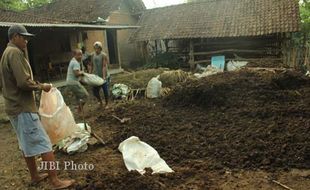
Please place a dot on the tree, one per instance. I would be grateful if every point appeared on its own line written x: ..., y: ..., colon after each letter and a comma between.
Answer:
x: 12, y: 4
x: 19, y: 5
x: 302, y: 38
x: 305, y: 15
x: 36, y: 3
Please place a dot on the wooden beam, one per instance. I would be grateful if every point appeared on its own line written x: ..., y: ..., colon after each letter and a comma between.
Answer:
x: 241, y: 59
x: 232, y: 50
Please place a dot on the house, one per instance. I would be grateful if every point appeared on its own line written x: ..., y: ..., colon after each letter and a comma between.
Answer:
x: 238, y: 29
x: 107, y: 12
x: 51, y: 50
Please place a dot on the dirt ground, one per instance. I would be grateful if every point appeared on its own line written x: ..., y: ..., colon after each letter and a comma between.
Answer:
x: 237, y: 130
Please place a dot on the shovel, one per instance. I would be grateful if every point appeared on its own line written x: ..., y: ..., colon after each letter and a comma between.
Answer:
x: 85, y: 126
x: 124, y: 120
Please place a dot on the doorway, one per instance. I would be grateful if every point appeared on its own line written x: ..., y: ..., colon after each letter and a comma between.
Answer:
x: 112, y: 46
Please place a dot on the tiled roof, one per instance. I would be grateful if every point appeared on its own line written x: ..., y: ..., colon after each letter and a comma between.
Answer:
x: 8, y: 18
x: 18, y: 17
x: 219, y: 18
x: 84, y: 11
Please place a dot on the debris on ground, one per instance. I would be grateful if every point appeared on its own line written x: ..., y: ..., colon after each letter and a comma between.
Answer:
x: 267, y: 63
x: 77, y: 142
x: 208, y: 72
x: 123, y: 120
x: 171, y: 78
x: 246, y: 126
x: 137, y: 79
x: 235, y: 65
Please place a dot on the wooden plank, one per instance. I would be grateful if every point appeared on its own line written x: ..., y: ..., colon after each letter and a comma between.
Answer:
x: 241, y: 59
x: 232, y: 50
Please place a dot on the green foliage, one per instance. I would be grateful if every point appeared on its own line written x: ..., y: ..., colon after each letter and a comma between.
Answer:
x: 12, y: 4
x: 18, y: 5
x: 305, y: 15
x: 301, y: 39
x: 36, y: 3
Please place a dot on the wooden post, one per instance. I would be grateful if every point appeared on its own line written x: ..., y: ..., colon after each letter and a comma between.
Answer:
x: 156, y: 54
x: 105, y: 43
x: 191, y: 55
x: 166, y: 45
x: 285, y: 50
x: 118, y: 50
x: 307, y: 57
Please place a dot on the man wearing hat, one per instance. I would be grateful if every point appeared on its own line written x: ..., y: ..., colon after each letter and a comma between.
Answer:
x: 17, y: 84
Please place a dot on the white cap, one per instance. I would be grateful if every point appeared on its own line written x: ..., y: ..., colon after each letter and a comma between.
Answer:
x: 98, y: 44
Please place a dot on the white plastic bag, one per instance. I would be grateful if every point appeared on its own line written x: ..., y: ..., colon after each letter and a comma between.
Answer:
x: 153, y: 88
x: 120, y: 90
x: 138, y: 155
x: 56, y: 116
x: 236, y: 65
x: 92, y: 80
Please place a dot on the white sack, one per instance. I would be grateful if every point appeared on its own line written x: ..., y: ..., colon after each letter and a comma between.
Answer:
x: 138, y: 155
x: 236, y: 65
x: 92, y: 80
x: 56, y: 116
x: 153, y: 88
x: 120, y: 90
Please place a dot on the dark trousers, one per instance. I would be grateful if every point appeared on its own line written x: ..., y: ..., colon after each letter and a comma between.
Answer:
x: 105, y: 88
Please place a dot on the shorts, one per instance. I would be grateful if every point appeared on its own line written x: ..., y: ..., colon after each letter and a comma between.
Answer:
x: 79, y: 91
x: 32, y: 137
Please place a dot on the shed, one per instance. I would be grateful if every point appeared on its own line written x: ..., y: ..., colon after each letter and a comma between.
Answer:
x: 238, y: 29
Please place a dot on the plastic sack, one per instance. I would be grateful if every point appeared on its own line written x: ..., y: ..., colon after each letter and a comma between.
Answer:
x: 56, y: 116
x: 77, y: 142
x: 92, y: 80
x: 236, y: 65
x: 120, y: 90
x: 153, y: 88
x: 208, y: 72
x: 138, y: 155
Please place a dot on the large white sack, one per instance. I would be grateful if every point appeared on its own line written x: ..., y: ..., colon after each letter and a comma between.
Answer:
x: 153, y: 88
x: 92, y: 80
x: 56, y: 116
x: 138, y: 155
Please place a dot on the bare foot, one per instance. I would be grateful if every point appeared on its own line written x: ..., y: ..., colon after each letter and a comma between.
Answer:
x: 62, y: 184
x: 38, y: 179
